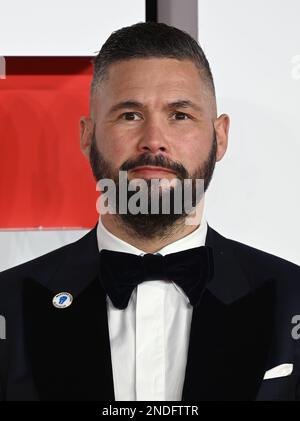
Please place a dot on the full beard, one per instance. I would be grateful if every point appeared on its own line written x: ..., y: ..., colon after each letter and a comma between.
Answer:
x: 151, y: 225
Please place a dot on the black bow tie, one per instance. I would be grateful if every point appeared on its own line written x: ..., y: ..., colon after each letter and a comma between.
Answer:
x: 120, y: 272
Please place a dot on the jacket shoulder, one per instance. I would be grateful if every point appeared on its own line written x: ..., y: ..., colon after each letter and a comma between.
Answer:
x: 249, y: 253
x: 259, y: 257
x: 261, y: 266
x: 257, y: 265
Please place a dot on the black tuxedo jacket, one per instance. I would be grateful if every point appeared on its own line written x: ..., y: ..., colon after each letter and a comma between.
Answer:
x: 241, y: 329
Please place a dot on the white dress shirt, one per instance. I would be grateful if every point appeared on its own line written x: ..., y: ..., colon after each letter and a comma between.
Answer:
x: 149, y: 339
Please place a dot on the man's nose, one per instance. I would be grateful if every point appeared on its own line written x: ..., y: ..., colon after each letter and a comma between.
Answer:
x: 153, y: 139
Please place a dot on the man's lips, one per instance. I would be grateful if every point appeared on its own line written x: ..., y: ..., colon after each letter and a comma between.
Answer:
x: 150, y: 169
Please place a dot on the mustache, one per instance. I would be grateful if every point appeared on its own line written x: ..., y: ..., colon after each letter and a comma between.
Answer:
x: 155, y: 161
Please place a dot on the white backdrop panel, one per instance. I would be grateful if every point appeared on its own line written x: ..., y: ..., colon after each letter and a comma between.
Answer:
x: 62, y: 28
x: 254, y: 51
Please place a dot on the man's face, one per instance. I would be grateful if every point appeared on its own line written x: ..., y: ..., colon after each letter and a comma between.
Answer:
x: 155, y: 118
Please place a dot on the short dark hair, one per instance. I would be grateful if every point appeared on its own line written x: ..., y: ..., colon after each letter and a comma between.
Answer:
x: 146, y: 40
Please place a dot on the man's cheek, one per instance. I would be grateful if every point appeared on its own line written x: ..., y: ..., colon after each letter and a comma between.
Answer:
x: 118, y: 152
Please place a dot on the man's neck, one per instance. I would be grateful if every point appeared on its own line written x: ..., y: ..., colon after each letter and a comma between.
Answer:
x: 113, y: 225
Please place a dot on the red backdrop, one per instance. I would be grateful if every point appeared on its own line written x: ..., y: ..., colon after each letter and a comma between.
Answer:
x: 45, y: 181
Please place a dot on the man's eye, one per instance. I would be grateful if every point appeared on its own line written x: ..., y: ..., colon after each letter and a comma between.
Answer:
x: 180, y: 116
x: 130, y: 116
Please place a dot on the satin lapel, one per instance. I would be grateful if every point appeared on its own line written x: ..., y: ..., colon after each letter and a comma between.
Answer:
x: 231, y: 332
x: 69, y: 348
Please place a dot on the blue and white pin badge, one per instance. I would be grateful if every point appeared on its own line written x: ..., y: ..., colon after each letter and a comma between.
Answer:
x: 62, y: 300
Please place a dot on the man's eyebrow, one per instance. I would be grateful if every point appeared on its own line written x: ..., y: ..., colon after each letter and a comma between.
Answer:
x: 184, y: 103
x: 131, y: 104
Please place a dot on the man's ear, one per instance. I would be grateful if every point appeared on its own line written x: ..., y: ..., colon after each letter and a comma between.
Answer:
x: 86, y: 135
x: 221, y: 125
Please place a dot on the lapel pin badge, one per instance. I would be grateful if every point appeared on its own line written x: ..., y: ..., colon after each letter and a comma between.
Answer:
x: 62, y: 300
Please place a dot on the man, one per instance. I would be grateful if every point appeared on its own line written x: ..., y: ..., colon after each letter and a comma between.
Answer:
x: 147, y: 306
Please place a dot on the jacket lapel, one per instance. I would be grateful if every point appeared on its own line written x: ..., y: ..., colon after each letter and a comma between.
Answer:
x: 69, y: 348
x: 231, y: 332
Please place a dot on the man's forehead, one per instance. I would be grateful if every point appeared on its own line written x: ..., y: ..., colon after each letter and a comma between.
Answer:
x: 177, y: 103
x: 160, y: 81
